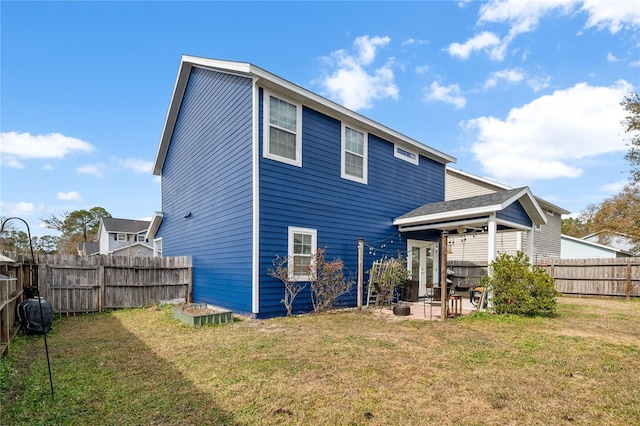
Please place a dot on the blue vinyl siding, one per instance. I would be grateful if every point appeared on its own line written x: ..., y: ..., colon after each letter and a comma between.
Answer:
x: 315, y: 196
x: 515, y: 213
x: 208, y: 172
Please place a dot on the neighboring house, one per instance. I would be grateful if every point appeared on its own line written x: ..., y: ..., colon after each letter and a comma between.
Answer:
x: 255, y: 167
x: 472, y: 246
x: 576, y: 248
x: 88, y: 248
x: 124, y: 237
x: 616, y: 240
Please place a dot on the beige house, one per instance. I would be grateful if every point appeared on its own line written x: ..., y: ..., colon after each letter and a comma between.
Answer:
x: 472, y: 245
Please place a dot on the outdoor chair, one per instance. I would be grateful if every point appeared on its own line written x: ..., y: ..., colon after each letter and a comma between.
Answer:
x: 429, y: 299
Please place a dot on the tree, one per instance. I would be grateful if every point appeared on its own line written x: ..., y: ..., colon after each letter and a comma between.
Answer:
x: 77, y: 226
x: 582, y: 225
x: 631, y: 123
x: 620, y: 214
x: 46, y: 244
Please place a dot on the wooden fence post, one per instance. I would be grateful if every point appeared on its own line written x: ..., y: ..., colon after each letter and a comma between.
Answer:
x: 628, y: 280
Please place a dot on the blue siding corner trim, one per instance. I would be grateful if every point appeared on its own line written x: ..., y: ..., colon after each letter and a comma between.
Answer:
x: 208, y: 171
x: 315, y: 196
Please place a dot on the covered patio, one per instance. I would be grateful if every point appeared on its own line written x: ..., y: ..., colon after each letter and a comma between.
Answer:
x: 504, y: 211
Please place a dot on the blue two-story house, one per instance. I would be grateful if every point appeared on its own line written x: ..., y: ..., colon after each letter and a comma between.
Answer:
x: 254, y: 167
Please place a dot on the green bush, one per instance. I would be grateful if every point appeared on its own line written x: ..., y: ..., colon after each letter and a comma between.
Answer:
x: 519, y: 288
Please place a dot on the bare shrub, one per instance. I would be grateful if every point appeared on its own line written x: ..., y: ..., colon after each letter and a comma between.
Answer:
x: 327, y: 281
x: 292, y: 287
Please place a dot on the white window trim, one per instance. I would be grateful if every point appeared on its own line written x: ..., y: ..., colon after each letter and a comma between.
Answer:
x: 314, y: 249
x: 265, y: 131
x: 141, y: 237
x: 121, y: 234
x: 365, y: 151
x: 415, y: 160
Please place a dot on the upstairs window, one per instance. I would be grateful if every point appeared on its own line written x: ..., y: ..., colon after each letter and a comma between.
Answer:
x: 406, y: 155
x: 302, y: 248
x: 282, y: 135
x: 121, y: 237
x: 141, y: 237
x: 354, y: 154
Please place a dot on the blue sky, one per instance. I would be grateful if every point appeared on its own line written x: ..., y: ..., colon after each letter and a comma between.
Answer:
x: 525, y: 93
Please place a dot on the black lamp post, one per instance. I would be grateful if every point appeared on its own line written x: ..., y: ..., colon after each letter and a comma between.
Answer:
x: 34, y: 278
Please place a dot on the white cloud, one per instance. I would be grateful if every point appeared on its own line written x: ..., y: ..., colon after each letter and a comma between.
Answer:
x: 481, y: 41
x: 25, y: 146
x: 611, y: 58
x: 69, y: 196
x: 538, y: 83
x: 613, y: 15
x: 513, y: 75
x: 449, y: 94
x: 634, y: 64
x: 48, y: 167
x: 19, y: 209
x: 97, y: 169
x: 546, y: 138
x: 614, y: 187
x: 412, y: 41
x: 136, y: 165
x: 524, y: 16
x: 422, y: 69
x: 354, y: 86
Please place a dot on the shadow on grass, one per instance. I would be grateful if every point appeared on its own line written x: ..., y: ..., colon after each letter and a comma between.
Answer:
x: 102, y: 374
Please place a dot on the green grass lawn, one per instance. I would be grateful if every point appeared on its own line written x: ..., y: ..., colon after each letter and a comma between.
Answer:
x: 141, y: 367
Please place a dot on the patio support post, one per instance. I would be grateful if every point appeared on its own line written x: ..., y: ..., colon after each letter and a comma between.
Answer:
x: 443, y: 277
x: 492, y: 229
x: 530, y: 245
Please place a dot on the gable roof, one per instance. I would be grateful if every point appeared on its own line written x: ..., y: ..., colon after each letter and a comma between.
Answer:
x: 128, y: 226
x: 270, y: 81
x: 471, y: 208
x: 500, y: 186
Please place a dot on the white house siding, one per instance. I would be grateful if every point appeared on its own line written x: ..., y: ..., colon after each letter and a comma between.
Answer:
x: 459, y: 186
x: 473, y: 247
x: 546, y: 241
x: 104, y: 241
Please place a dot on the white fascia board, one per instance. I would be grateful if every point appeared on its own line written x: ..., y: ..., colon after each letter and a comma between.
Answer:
x: 318, y: 102
x: 172, y: 115
x: 479, y: 179
x: 594, y: 244
x: 156, y: 220
x: 299, y: 93
x: 450, y: 215
x: 446, y: 226
x: 543, y: 203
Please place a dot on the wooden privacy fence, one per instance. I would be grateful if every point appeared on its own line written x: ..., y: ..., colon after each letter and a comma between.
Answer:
x: 82, y: 284
x: 79, y: 284
x: 596, y: 277
x: 580, y: 277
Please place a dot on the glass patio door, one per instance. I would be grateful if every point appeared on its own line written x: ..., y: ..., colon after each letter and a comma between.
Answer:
x: 422, y: 262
